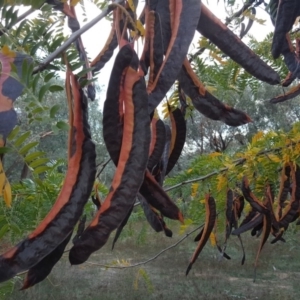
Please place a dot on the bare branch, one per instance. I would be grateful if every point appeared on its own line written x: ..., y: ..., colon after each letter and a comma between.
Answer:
x: 74, y: 36
x: 239, y: 12
x: 150, y: 259
x: 140, y: 263
x: 19, y: 19
x: 45, y: 134
x: 103, y: 167
x: 235, y: 162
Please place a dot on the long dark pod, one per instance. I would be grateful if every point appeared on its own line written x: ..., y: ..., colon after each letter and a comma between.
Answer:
x: 178, y: 135
x: 206, y: 103
x: 238, y: 206
x: 41, y: 270
x: 62, y: 218
x: 251, y: 198
x: 153, y: 53
x: 284, y: 189
x: 229, y: 211
x: 130, y: 169
x: 160, y: 169
x: 267, y: 225
x: 219, y: 34
x: 113, y: 105
x: 211, y: 214
x: 269, y: 204
x: 153, y: 218
x: 287, y: 12
x: 106, y: 53
x: 255, y: 221
x: 158, y: 139
x: 121, y: 226
x: 159, y: 199
x: 113, y: 134
x: 293, y: 206
x: 291, y: 59
x: 281, y: 40
x: 292, y: 93
x: 74, y: 26
x: 113, y: 114
x: 183, y: 17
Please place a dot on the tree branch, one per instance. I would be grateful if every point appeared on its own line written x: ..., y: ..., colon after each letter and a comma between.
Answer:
x: 103, y: 167
x: 75, y: 36
x: 19, y: 19
x: 239, y: 12
x: 150, y: 259
x: 235, y: 162
x: 140, y: 263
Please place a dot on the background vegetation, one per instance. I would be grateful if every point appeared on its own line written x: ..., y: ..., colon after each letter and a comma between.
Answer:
x: 35, y: 164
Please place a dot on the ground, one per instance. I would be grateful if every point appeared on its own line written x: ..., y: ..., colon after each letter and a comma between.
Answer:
x: 278, y: 273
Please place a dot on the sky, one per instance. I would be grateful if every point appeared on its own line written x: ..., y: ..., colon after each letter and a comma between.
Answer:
x: 96, y: 37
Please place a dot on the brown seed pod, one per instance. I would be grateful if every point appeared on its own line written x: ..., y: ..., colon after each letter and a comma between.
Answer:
x: 60, y: 221
x: 121, y: 226
x: 284, y: 190
x: 153, y: 52
x: 158, y: 139
x: 205, y: 102
x: 154, y: 219
x: 292, y: 209
x: 292, y: 93
x: 267, y: 225
x: 251, y: 198
x: 41, y: 270
x: 106, y: 53
x: 287, y: 12
x: 211, y: 214
x: 255, y: 221
x: 178, y: 23
x: 130, y: 169
x: 178, y: 135
x: 159, y: 199
x: 219, y: 34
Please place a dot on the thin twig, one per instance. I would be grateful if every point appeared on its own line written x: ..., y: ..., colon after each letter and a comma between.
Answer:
x: 195, y: 179
x: 103, y: 167
x: 54, y: 285
x: 239, y: 12
x: 235, y: 162
x: 45, y: 134
x: 150, y: 259
x: 74, y: 36
x: 140, y: 263
x: 19, y: 19
x: 25, y: 15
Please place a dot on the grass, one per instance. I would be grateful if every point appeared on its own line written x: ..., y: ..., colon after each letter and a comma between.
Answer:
x: 278, y: 273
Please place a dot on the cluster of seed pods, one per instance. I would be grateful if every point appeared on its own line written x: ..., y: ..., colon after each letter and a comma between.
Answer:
x: 142, y: 147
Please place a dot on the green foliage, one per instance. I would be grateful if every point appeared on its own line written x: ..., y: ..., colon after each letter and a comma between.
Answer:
x: 261, y: 161
x: 33, y: 199
x: 6, y: 288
